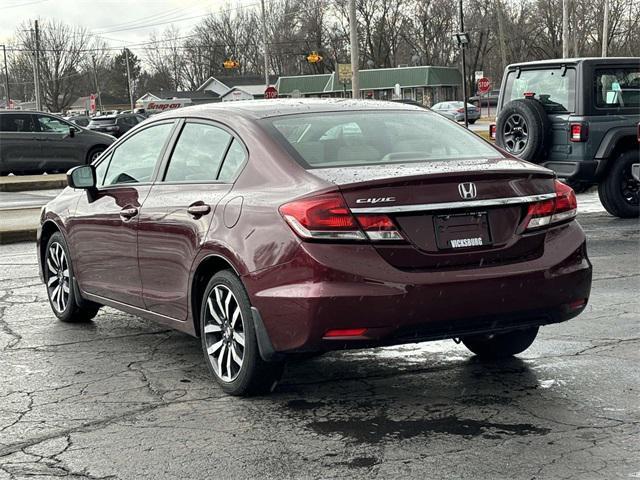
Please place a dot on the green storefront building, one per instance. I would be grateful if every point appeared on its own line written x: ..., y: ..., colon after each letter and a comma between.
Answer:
x: 426, y: 85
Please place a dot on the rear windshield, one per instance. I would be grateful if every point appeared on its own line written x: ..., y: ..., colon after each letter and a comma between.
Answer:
x: 554, y: 87
x: 103, y: 121
x: 336, y: 139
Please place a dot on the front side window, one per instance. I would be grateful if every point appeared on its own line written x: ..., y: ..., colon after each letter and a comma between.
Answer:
x: 52, y: 125
x: 375, y: 138
x: 618, y: 88
x: 553, y: 87
x: 198, y: 154
x: 135, y: 159
x: 17, y: 123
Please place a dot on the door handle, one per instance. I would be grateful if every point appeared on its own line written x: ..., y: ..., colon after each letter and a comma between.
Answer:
x: 198, y: 209
x: 128, y: 213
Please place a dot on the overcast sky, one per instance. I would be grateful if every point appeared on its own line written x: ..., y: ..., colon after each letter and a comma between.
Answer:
x: 119, y: 22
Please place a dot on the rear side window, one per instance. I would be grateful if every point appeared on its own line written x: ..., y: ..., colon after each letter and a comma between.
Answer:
x: 198, y: 154
x: 618, y: 88
x: 555, y: 88
x: 135, y: 159
x: 17, y: 123
x: 370, y: 137
x: 232, y: 162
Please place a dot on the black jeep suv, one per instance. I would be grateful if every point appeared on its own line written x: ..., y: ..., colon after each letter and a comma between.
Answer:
x: 579, y: 118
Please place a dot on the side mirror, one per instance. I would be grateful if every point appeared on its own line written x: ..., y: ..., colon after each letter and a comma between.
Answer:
x: 83, y: 177
x: 72, y: 132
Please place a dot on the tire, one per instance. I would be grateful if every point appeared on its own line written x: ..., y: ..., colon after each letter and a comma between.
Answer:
x: 523, y: 130
x: 619, y: 191
x: 501, y: 345
x: 60, y: 292
x: 94, y: 153
x: 471, y: 122
x: 238, y: 369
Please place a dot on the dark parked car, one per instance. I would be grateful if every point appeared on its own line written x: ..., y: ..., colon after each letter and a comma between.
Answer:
x: 577, y: 117
x: 481, y: 100
x: 277, y: 228
x: 81, y: 120
x: 36, y: 142
x: 115, y: 124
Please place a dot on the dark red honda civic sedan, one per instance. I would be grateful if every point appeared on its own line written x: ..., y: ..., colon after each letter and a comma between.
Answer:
x: 272, y: 229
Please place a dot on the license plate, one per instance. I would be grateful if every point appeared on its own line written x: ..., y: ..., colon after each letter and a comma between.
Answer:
x: 467, y: 230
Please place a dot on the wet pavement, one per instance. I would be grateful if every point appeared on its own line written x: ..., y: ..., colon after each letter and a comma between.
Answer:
x: 122, y: 398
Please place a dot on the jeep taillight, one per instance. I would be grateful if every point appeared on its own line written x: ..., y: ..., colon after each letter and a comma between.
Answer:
x: 578, y: 132
x: 554, y: 210
x: 492, y: 131
x: 638, y: 133
x: 327, y: 217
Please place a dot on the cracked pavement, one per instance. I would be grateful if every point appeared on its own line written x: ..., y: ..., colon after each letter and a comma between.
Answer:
x: 123, y: 398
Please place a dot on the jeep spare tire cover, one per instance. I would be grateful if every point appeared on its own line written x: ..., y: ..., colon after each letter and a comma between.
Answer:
x: 522, y: 129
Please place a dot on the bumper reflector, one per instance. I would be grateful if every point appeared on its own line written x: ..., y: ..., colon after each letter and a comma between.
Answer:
x: 577, y: 304
x: 345, y: 332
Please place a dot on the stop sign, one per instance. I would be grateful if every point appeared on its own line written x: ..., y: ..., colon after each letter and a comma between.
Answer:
x: 270, y: 92
x: 484, y: 85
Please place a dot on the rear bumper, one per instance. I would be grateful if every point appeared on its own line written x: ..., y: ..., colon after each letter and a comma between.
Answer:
x: 351, y: 286
x: 580, y: 171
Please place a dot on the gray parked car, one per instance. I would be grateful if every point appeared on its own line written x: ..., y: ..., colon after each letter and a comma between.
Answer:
x: 36, y: 142
x: 455, y: 111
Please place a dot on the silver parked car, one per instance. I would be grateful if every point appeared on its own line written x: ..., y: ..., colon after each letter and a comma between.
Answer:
x: 455, y: 111
x: 37, y: 142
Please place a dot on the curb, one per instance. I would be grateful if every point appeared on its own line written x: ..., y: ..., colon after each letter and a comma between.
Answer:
x: 23, y: 183
x: 16, y: 236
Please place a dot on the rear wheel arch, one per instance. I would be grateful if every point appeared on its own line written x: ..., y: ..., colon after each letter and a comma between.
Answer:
x: 95, y: 148
x: 206, y: 269
x: 621, y: 146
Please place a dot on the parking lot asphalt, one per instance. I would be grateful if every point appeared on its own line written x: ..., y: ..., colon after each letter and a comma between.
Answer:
x: 123, y: 398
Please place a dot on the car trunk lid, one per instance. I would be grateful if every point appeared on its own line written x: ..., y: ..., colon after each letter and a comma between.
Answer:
x: 451, y: 214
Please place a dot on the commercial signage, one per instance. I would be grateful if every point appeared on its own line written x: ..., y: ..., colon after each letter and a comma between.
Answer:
x: 154, y: 106
x: 92, y: 103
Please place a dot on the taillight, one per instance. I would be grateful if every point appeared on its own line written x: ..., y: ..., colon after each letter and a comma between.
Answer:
x: 561, y: 208
x: 638, y: 133
x: 578, y: 132
x: 460, y: 110
x: 379, y: 227
x: 327, y: 217
x: 492, y: 131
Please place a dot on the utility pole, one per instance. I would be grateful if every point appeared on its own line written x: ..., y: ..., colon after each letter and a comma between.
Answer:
x: 353, y: 39
x: 265, y: 46
x: 464, y: 68
x: 565, y: 28
x: 6, y: 76
x: 503, y: 47
x: 36, y: 79
x: 126, y: 56
x: 95, y: 79
x: 605, y: 29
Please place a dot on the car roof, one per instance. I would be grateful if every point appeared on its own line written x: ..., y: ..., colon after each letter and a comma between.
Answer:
x: 256, y: 109
x: 575, y: 61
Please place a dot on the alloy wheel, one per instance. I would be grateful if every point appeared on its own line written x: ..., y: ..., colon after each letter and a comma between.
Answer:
x: 58, y: 281
x: 224, y: 333
x: 515, y: 133
x: 94, y: 156
x: 630, y: 188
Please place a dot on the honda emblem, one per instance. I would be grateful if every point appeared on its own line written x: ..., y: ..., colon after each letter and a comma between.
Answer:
x: 467, y: 190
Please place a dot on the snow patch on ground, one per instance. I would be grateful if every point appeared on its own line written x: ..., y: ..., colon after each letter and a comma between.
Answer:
x: 589, y: 202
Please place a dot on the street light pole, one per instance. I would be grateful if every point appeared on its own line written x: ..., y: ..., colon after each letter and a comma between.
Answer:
x: 565, y: 28
x: 464, y: 69
x: 353, y: 39
x: 6, y: 76
x: 265, y: 47
x: 126, y: 56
